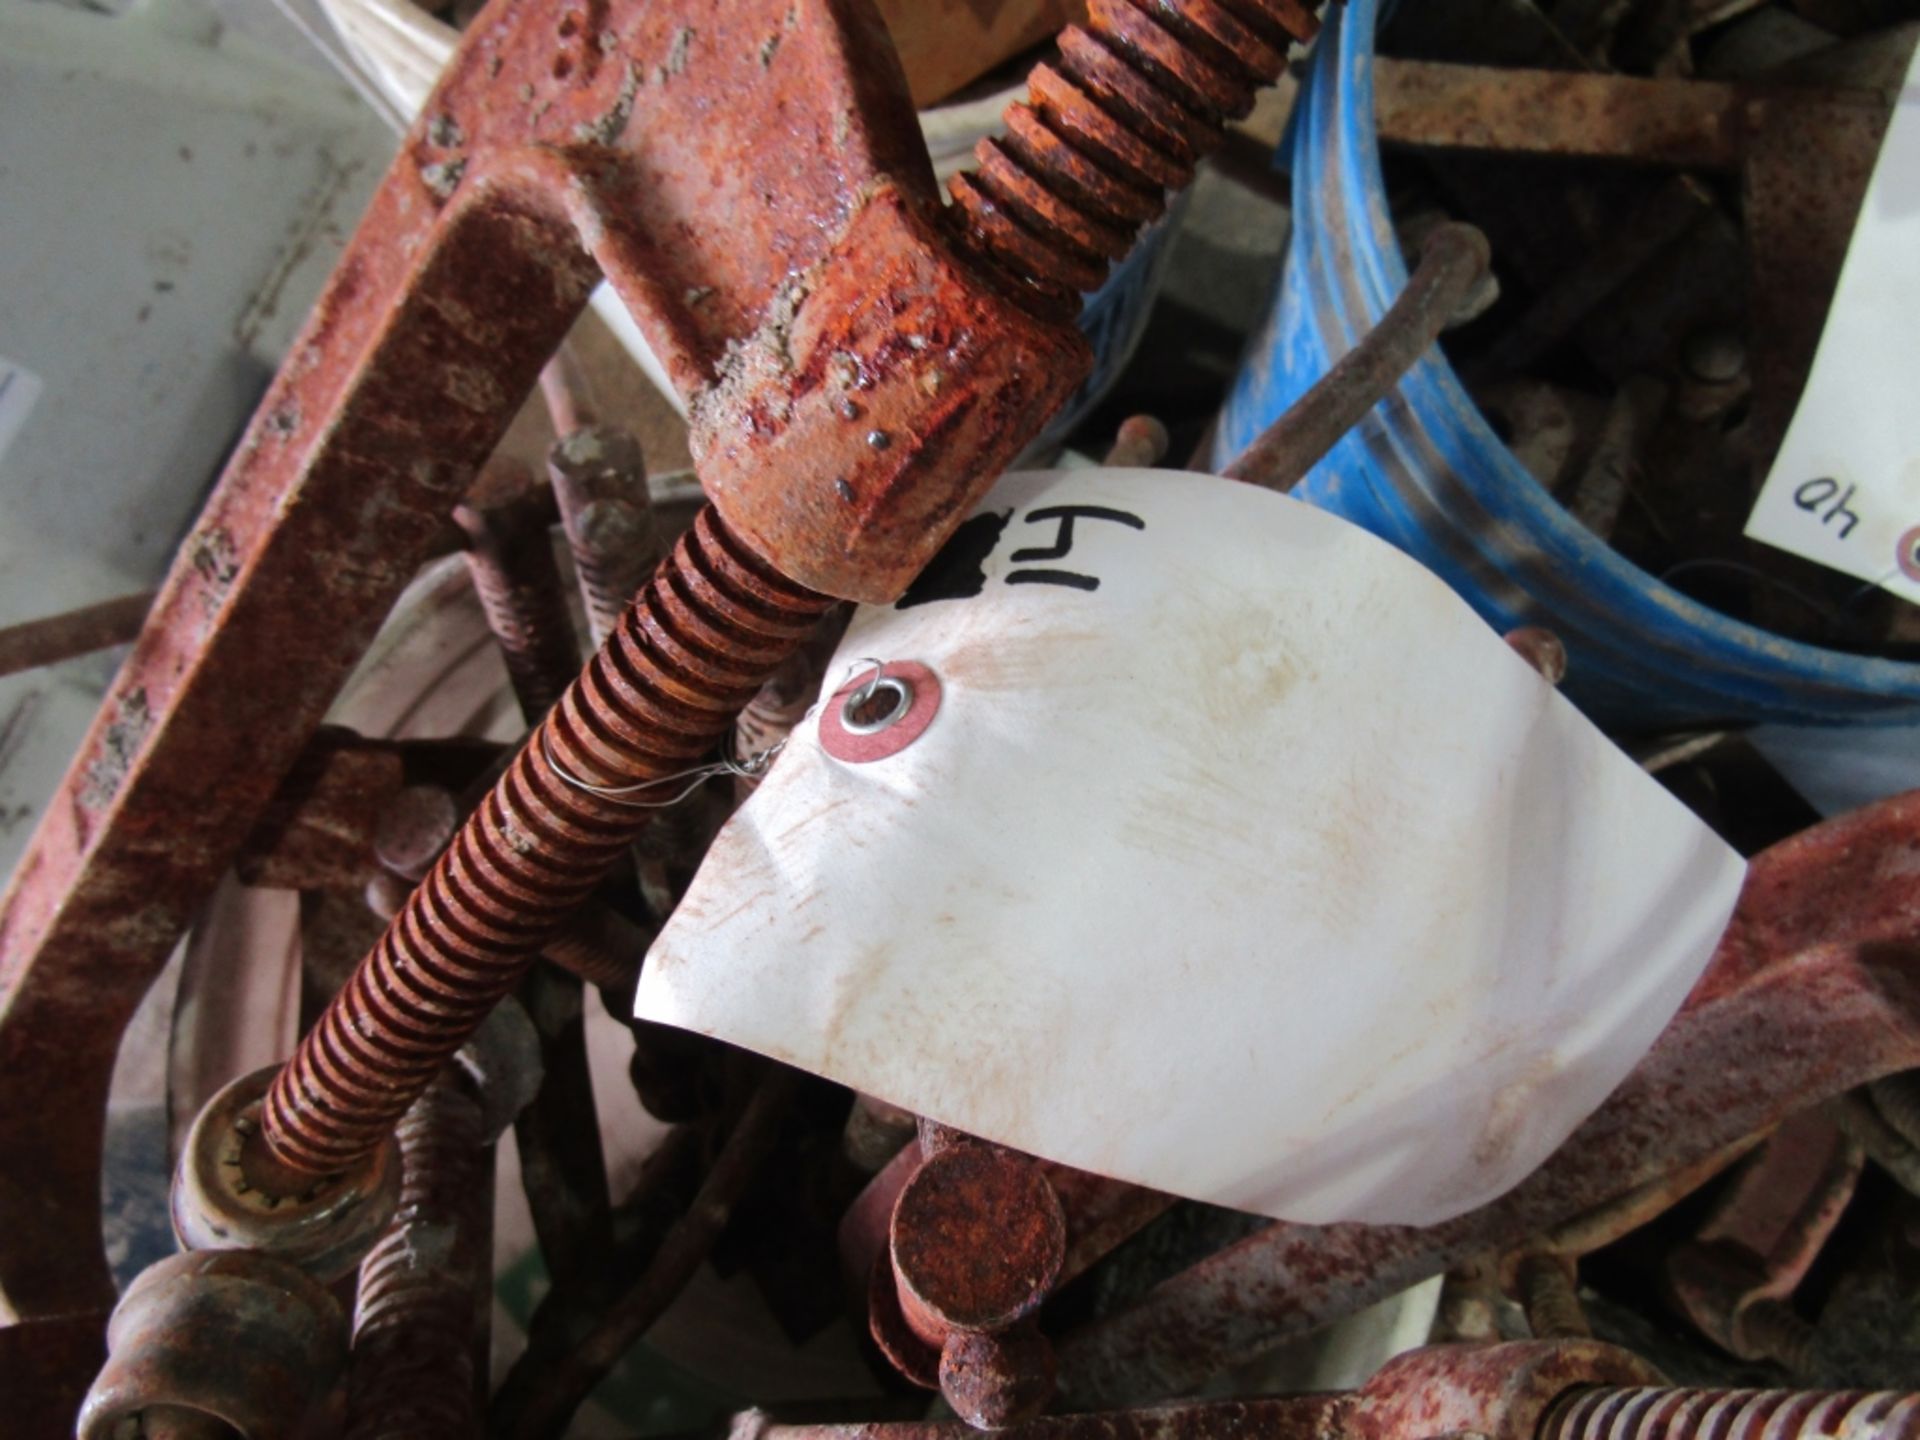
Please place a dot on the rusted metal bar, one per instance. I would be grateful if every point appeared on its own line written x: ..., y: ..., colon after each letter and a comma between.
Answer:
x: 1501, y: 1392
x: 551, y: 1402
x: 1682, y: 124
x: 1546, y: 1392
x: 1452, y: 260
x: 1819, y: 970
x: 35, y: 643
x: 563, y: 1166
x: 1803, y: 182
x: 1687, y: 124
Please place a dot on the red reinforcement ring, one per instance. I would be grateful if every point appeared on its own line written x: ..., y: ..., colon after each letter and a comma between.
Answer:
x: 914, y: 691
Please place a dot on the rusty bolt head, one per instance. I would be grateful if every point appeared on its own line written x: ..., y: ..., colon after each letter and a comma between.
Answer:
x: 996, y: 1380
x: 940, y: 420
x: 414, y: 828
x: 220, y: 1200
x: 978, y: 1239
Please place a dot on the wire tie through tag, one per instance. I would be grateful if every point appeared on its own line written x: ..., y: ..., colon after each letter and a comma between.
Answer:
x: 751, y: 768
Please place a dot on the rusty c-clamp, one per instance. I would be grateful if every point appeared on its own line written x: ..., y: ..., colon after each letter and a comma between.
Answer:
x: 859, y: 363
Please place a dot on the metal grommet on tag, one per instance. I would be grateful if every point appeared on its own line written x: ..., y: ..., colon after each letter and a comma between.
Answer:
x: 880, y: 712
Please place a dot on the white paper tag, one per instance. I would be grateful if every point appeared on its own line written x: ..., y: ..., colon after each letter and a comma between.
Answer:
x: 1225, y: 851
x: 1845, y: 488
x: 19, y: 389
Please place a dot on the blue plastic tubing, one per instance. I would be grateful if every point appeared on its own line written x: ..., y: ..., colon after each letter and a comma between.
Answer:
x: 1426, y: 472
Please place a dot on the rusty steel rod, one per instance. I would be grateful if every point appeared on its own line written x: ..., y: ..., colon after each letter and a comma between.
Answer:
x: 1452, y: 261
x: 48, y: 641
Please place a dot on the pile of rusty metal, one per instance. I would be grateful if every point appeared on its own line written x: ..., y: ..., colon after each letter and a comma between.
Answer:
x: 862, y: 360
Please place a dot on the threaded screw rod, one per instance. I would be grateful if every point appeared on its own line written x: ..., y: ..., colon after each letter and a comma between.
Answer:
x: 707, y: 630
x: 1657, y: 1413
x: 510, y: 558
x: 1138, y: 96
x: 412, y: 1374
x: 600, y: 479
x: 1552, y: 1302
